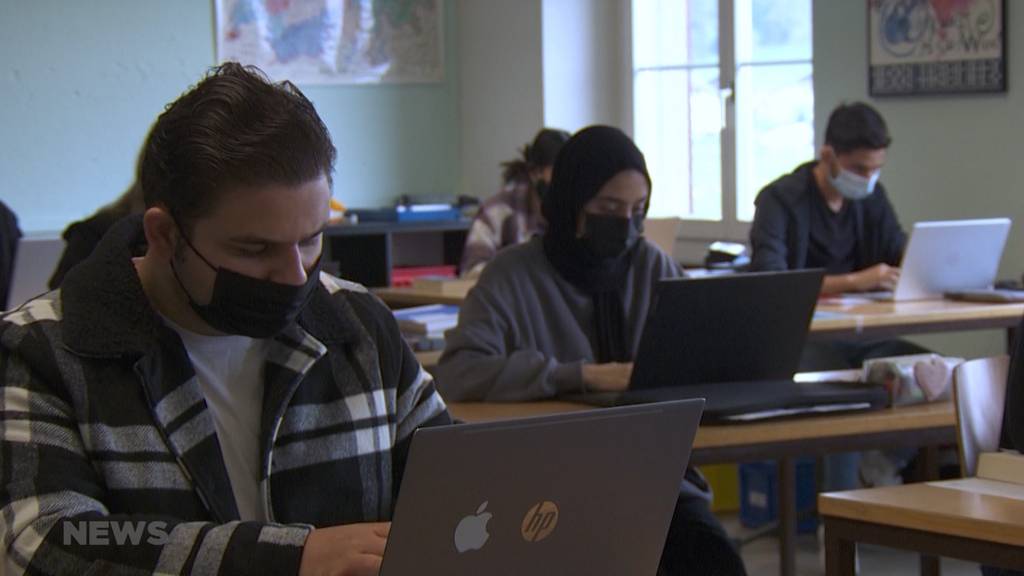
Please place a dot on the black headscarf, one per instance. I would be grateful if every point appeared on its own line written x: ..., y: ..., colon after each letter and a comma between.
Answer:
x: 591, y: 158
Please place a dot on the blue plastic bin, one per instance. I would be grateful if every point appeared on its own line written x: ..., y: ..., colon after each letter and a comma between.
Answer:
x: 759, y: 503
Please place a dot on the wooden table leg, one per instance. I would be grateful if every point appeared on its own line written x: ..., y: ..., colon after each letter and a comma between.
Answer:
x: 840, y: 553
x: 787, y: 516
x: 930, y: 566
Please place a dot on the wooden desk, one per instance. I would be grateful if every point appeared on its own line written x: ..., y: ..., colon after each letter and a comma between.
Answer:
x: 405, y: 297
x: 925, y: 424
x: 784, y: 440
x: 847, y: 319
x: 953, y: 519
x: 886, y: 319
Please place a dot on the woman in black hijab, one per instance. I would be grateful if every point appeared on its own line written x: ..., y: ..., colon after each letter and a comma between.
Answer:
x: 591, y: 237
x: 563, y: 313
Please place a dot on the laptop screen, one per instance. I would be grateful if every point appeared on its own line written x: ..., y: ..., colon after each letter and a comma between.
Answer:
x: 726, y: 328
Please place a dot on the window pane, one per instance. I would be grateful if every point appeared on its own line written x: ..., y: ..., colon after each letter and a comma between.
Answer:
x: 773, y: 30
x: 677, y: 119
x: 674, y: 32
x: 774, y: 127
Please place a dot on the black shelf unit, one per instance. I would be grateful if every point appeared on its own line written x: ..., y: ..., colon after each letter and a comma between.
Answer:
x: 367, y: 252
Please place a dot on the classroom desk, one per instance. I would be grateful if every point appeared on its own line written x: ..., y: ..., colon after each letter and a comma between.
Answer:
x: 915, y: 426
x: 850, y: 318
x: 853, y: 318
x: 406, y: 296
x: 974, y: 520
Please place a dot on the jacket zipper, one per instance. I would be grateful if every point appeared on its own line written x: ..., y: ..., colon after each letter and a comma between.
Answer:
x: 170, y: 445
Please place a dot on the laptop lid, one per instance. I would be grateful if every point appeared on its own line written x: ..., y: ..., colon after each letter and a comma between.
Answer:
x: 584, y: 493
x: 34, y: 263
x: 729, y: 328
x: 947, y: 256
x: 662, y: 233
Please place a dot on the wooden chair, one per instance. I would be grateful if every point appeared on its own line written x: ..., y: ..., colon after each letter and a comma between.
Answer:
x: 979, y: 392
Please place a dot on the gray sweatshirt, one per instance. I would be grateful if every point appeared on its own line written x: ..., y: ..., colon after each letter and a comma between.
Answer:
x: 524, y: 332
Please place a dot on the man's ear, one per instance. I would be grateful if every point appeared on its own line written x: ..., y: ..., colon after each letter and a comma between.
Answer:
x: 161, y: 232
x: 830, y: 160
x: 827, y: 154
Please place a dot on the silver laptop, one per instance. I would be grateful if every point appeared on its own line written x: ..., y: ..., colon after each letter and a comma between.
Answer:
x: 949, y: 256
x: 34, y: 263
x: 590, y: 492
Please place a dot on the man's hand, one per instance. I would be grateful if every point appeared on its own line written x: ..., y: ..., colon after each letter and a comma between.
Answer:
x: 877, y: 277
x: 610, y: 377
x: 349, y: 550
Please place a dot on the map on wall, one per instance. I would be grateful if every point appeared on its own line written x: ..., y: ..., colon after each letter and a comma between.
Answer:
x: 334, y: 41
x: 936, y: 46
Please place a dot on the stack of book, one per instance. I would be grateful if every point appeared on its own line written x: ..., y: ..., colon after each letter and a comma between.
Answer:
x: 423, y: 327
x: 405, y: 276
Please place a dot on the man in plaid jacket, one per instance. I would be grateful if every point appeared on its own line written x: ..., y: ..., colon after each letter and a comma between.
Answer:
x: 198, y: 397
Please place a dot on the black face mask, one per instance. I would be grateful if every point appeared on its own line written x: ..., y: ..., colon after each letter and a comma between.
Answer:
x: 610, y: 236
x: 249, y: 306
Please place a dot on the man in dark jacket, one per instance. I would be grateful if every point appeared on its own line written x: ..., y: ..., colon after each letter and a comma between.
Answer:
x: 218, y: 405
x: 834, y: 213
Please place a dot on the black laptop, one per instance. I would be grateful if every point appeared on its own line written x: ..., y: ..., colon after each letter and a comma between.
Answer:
x: 735, y: 340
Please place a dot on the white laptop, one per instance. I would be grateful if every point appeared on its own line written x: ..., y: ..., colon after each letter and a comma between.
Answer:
x: 34, y: 263
x: 590, y: 492
x: 662, y: 233
x: 949, y: 256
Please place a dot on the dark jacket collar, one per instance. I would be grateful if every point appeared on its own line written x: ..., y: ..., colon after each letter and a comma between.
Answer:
x: 107, y: 314
x: 803, y: 186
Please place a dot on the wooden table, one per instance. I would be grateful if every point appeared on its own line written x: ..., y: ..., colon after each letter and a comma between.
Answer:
x: 854, y: 318
x: 975, y: 520
x: 925, y: 424
x: 846, y: 318
x: 784, y: 440
x: 405, y: 297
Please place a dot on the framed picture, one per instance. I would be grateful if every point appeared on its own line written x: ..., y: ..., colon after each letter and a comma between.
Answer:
x: 334, y: 41
x: 936, y: 47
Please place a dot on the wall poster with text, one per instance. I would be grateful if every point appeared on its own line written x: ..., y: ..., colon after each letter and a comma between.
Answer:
x: 936, y: 47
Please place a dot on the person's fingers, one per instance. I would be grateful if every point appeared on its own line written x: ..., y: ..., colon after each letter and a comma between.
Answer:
x: 365, y: 565
x: 382, y: 529
x: 373, y: 545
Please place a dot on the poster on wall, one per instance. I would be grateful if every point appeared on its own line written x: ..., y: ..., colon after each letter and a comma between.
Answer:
x: 936, y: 47
x: 334, y: 41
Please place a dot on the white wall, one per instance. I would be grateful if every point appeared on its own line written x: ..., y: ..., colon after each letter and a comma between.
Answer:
x: 525, y: 64
x: 500, y: 99
x: 952, y: 156
x: 587, y: 64
x: 81, y: 82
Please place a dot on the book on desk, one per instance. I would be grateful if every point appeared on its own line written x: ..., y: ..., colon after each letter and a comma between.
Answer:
x: 423, y: 327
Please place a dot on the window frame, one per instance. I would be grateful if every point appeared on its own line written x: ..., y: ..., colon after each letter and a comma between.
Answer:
x: 730, y: 227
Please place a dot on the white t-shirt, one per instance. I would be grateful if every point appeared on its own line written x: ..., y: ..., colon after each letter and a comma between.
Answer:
x: 230, y: 374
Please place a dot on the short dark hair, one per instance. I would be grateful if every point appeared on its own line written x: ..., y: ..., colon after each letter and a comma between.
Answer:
x: 854, y: 127
x: 538, y: 154
x: 234, y: 128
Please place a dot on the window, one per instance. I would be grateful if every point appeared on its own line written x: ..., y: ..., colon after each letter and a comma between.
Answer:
x: 723, y: 103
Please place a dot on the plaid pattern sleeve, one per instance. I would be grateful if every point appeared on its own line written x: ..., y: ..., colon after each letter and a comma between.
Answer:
x: 416, y: 400
x: 503, y: 220
x: 62, y: 481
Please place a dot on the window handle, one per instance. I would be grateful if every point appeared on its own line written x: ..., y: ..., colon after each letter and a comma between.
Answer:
x: 726, y: 94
